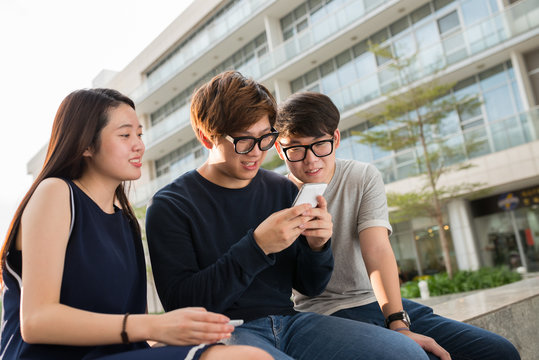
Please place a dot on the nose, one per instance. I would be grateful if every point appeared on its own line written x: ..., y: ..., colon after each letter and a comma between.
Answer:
x: 255, y: 151
x: 310, y: 156
x: 138, y: 145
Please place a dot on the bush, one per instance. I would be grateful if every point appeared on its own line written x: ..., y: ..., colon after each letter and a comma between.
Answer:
x: 440, y: 284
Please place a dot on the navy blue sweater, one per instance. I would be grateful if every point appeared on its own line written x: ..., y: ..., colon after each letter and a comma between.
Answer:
x: 203, y: 253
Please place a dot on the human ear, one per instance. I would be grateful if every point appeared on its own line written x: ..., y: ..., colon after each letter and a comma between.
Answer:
x: 89, y: 152
x: 336, y: 138
x: 204, y: 139
x: 279, y: 150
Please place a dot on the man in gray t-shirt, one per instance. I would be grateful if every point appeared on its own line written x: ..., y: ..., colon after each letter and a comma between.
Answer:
x: 365, y: 285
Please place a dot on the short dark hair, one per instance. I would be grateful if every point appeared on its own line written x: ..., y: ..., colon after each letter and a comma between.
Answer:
x: 230, y: 103
x: 307, y: 114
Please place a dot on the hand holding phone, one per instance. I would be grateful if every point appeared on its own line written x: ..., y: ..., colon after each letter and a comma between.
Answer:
x: 308, y: 192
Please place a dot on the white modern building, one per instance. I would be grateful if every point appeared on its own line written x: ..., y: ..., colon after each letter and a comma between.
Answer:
x: 490, y: 47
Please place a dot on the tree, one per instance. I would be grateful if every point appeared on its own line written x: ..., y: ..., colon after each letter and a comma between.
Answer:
x: 415, y: 115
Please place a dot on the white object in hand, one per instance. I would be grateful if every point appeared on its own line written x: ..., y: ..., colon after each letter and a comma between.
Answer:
x: 235, y: 322
x: 308, y: 193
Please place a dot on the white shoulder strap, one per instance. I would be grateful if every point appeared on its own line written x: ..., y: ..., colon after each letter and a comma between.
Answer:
x: 72, y: 202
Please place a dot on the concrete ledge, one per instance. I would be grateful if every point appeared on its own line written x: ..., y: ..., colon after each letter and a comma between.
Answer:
x: 510, y: 311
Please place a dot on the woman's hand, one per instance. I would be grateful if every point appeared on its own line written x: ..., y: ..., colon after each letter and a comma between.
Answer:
x: 189, y: 326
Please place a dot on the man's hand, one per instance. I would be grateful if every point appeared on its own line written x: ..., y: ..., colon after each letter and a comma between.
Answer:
x: 282, y: 228
x: 319, y: 230
x: 428, y: 344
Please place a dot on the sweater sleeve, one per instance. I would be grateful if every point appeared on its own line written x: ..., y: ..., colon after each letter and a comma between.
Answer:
x: 179, y: 278
x: 313, y: 268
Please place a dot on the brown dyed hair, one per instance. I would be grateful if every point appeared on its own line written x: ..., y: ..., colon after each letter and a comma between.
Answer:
x: 307, y: 114
x: 77, y: 126
x: 230, y: 103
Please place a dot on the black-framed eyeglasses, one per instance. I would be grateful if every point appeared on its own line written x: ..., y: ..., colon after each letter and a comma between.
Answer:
x: 299, y: 152
x: 244, y: 144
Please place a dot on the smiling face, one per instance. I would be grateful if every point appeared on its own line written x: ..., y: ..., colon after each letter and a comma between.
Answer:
x: 229, y: 169
x: 120, y: 147
x: 312, y: 169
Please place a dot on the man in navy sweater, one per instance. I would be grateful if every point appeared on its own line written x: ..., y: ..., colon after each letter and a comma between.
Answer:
x: 225, y: 237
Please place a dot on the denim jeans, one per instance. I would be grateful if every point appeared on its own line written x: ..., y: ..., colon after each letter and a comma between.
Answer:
x: 461, y: 340
x: 311, y: 336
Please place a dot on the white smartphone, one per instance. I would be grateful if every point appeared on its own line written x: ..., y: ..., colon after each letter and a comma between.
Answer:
x: 235, y: 322
x: 308, y: 192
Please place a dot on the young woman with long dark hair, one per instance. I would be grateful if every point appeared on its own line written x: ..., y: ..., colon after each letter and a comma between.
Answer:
x: 74, y: 246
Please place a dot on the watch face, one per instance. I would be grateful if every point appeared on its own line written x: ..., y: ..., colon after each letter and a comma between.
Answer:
x: 406, y: 318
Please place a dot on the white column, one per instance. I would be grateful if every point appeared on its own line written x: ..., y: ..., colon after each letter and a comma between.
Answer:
x: 522, y: 79
x: 460, y: 222
x: 282, y: 90
x: 273, y: 32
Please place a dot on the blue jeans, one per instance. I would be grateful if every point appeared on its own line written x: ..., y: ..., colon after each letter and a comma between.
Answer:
x: 461, y: 340
x: 312, y: 336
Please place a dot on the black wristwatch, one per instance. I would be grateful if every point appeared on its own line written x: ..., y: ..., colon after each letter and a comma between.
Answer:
x: 401, y: 315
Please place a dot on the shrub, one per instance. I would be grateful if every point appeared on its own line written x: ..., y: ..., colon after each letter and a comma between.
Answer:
x: 440, y: 284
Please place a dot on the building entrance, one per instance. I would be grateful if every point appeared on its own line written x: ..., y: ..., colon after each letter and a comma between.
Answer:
x: 498, y: 240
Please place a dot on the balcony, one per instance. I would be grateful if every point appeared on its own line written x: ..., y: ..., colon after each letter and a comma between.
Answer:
x: 490, y: 32
x: 195, y: 48
x: 501, y: 27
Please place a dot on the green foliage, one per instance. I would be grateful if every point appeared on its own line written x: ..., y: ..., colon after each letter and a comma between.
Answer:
x: 441, y: 284
x: 410, y: 290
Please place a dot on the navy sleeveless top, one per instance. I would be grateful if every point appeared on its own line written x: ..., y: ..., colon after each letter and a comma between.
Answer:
x: 104, y: 272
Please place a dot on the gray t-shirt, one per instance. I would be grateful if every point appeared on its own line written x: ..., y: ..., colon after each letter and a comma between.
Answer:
x: 356, y: 201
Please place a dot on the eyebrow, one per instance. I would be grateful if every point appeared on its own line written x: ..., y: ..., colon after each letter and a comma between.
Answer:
x: 297, y: 142
x: 127, y: 126
x: 246, y: 133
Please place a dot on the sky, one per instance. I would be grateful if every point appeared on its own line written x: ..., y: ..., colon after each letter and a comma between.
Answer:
x: 47, y: 50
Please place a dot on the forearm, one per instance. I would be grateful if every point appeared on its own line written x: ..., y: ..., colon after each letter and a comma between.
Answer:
x: 313, y: 269
x: 382, y: 268
x: 64, y: 325
x: 384, y: 278
x: 182, y: 282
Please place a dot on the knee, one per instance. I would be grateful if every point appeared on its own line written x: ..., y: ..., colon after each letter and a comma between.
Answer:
x: 506, y: 350
x: 252, y: 353
x: 235, y: 352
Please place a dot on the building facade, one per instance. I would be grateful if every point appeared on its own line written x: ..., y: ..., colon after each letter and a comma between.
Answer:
x: 488, y: 47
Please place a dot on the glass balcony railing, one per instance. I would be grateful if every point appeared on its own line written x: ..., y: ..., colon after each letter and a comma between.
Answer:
x: 192, y: 50
x: 321, y: 29
x: 491, y: 137
x: 173, y: 122
x: 512, y: 22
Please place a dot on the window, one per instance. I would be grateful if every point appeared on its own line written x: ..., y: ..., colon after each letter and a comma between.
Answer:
x: 448, y: 22
x: 420, y: 13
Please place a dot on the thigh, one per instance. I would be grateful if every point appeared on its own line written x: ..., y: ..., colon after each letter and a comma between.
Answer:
x: 259, y: 333
x: 317, y: 337
x: 161, y: 353
x: 370, y: 313
x: 463, y: 341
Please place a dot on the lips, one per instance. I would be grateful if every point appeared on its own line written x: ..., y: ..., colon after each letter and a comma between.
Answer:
x: 249, y: 165
x: 313, y: 171
x: 136, y: 162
